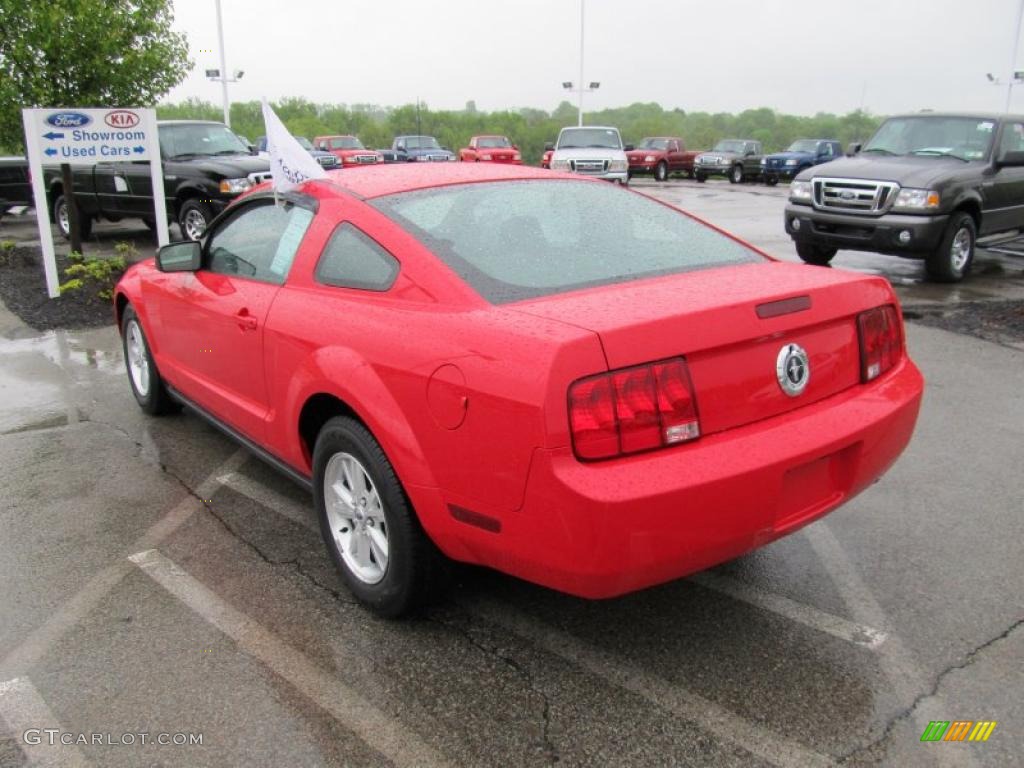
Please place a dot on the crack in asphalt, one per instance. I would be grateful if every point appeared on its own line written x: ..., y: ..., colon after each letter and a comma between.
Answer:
x: 549, y: 747
x: 908, y: 711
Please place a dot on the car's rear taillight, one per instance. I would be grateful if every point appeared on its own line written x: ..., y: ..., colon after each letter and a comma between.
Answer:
x: 881, y: 341
x: 632, y: 410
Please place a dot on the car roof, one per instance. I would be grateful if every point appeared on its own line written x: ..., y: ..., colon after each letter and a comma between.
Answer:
x: 381, y: 180
x: 590, y: 127
x: 972, y: 115
x: 188, y: 122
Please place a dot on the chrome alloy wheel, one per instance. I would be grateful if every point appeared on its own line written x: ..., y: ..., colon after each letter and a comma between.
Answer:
x: 356, y: 517
x: 64, y: 218
x: 960, y: 250
x: 194, y: 224
x: 138, y: 362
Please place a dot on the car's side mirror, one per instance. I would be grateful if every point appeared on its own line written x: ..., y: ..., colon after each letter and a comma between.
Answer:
x: 179, y: 257
x: 1010, y: 160
x: 854, y: 149
x: 549, y: 147
x: 628, y: 148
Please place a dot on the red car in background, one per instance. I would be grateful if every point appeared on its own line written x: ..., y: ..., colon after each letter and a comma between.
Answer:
x: 491, y: 149
x: 545, y: 159
x: 349, y: 150
x: 658, y: 156
x: 596, y: 392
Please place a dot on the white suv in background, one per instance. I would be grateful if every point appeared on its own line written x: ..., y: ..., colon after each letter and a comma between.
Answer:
x: 592, y: 151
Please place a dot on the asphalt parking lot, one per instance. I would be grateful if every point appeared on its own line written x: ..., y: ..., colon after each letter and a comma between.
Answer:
x: 160, y: 580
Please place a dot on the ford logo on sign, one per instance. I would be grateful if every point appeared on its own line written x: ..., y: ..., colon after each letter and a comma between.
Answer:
x: 68, y: 120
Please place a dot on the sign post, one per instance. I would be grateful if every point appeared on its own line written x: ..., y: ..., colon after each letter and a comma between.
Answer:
x: 84, y: 137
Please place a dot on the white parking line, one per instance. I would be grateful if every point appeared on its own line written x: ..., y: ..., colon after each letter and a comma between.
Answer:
x: 860, y: 634
x: 377, y: 729
x: 40, y: 640
x: 896, y: 662
x: 28, y: 719
x: 261, y: 494
x: 620, y: 672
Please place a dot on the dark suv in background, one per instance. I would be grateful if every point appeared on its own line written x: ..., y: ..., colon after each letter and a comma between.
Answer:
x: 801, y: 154
x: 926, y: 186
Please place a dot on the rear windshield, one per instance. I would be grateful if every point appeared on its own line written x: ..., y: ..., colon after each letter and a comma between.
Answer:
x: 522, y: 239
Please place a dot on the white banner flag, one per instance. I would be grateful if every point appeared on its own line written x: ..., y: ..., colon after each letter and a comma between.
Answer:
x: 290, y: 164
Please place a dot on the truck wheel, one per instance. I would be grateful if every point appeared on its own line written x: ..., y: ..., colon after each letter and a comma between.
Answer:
x: 62, y: 216
x: 951, y: 261
x: 195, y: 216
x: 820, y: 255
x: 370, y: 529
x: 700, y: 177
x: 771, y: 181
x: 736, y: 174
x: 661, y: 172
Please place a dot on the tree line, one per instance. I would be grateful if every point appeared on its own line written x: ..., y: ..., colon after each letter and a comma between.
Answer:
x: 530, y: 129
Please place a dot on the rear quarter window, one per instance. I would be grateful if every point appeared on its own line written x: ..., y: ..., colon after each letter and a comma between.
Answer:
x: 351, y: 259
x: 517, y: 240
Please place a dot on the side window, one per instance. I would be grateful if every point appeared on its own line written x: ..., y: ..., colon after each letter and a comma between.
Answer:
x: 259, y: 242
x: 1013, y: 138
x: 352, y: 259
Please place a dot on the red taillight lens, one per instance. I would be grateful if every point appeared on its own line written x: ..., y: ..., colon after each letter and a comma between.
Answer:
x: 881, y: 341
x: 633, y: 409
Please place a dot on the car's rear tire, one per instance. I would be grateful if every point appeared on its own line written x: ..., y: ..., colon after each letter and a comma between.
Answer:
x: 143, y: 376
x: 194, y: 218
x: 736, y: 174
x: 369, y: 527
x: 819, y: 255
x: 771, y: 181
x: 952, y: 260
x: 62, y: 216
x: 701, y: 178
x: 661, y: 172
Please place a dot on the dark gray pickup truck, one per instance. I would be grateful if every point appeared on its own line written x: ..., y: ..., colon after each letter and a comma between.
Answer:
x: 926, y: 186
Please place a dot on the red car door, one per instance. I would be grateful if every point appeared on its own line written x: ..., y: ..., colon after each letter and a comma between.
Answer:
x: 212, y: 319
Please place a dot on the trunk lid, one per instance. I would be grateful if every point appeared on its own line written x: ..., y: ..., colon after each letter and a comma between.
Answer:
x: 731, y: 324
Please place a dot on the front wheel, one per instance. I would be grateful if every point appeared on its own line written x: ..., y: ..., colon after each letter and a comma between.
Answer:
x: 195, y: 216
x: 701, y: 178
x: 951, y: 261
x: 62, y: 215
x: 661, y: 172
x: 370, y: 529
x: 147, y: 385
x: 771, y: 181
x: 736, y: 174
x: 820, y: 255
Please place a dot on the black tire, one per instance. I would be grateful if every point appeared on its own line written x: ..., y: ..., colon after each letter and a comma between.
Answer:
x: 819, y: 255
x: 771, y: 181
x: 736, y: 174
x: 948, y: 263
x: 150, y: 224
x: 701, y: 178
x: 64, y: 221
x: 155, y: 400
x: 194, y: 218
x: 415, y: 570
x: 661, y: 172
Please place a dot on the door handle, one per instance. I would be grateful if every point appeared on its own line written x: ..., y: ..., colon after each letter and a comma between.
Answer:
x: 246, y: 321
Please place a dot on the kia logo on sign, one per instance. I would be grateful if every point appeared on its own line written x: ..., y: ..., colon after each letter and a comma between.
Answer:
x: 68, y: 120
x: 121, y: 118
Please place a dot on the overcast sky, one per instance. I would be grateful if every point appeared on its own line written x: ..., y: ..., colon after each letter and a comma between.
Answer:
x: 797, y: 56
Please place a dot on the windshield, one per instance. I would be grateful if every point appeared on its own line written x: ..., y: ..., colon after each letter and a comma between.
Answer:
x: 199, y: 139
x: 803, y: 145
x: 345, y: 142
x: 493, y: 142
x: 729, y: 146
x: 305, y: 143
x: 420, y: 142
x: 967, y: 138
x: 654, y: 144
x: 518, y: 240
x: 596, y: 138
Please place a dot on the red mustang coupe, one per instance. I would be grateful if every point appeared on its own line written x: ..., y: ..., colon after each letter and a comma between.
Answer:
x: 544, y: 374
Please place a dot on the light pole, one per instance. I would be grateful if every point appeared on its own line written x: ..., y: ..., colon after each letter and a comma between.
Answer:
x: 1013, y: 63
x: 222, y: 73
x: 568, y: 85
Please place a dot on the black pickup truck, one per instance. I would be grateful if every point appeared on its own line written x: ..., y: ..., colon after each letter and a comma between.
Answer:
x: 206, y: 166
x: 15, y: 187
x: 925, y: 186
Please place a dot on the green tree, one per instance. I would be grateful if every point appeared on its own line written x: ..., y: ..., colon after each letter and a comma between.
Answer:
x: 90, y: 53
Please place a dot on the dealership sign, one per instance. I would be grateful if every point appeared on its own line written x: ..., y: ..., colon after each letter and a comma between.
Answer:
x: 85, y: 137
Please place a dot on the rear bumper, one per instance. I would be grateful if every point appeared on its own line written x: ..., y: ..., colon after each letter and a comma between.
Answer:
x: 602, y: 529
x: 865, y: 233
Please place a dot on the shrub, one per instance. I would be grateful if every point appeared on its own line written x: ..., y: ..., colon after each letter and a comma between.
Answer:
x: 99, y: 273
